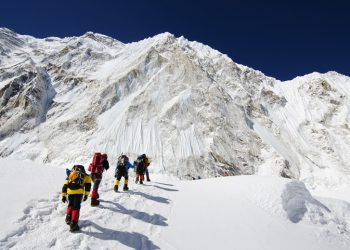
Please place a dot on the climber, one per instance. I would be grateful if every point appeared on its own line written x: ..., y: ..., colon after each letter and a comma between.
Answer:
x: 122, y: 170
x: 77, y: 186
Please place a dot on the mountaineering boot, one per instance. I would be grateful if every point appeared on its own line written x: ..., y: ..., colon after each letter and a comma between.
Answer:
x: 68, y: 219
x: 69, y: 215
x: 75, y: 218
x: 74, y: 226
x: 137, y: 180
x: 94, y: 194
x: 141, y: 181
x: 116, y: 188
x: 95, y: 202
x: 148, y: 179
x: 125, y: 188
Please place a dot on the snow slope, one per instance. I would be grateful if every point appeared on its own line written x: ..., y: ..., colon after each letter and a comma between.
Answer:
x: 22, y: 185
x: 242, y: 212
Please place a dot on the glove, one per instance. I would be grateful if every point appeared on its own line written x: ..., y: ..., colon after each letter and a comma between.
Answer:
x: 85, y: 197
x: 64, y: 199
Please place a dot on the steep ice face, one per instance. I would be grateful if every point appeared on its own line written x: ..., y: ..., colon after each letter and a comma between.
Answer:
x: 191, y: 108
x: 9, y: 41
x: 25, y: 100
x: 177, y: 113
x: 315, y: 122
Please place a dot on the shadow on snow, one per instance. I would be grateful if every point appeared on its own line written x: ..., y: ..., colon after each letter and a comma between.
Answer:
x: 133, y: 240
x: 166, y: 184
x: 155, y: 219
x: 166, y: 189
x: 151, y: 197
x: 296, y: 197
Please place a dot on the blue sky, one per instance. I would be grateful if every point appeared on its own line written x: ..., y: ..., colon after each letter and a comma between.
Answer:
x: 282, y: 39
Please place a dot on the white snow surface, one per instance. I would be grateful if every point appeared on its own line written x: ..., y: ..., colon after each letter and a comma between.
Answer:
x: 241, y: 212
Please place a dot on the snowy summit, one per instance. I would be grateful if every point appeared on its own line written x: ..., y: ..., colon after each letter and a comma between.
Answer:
x: 196, y: 113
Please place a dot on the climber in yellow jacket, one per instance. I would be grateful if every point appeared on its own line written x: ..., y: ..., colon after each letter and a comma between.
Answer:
x: 77, y: 186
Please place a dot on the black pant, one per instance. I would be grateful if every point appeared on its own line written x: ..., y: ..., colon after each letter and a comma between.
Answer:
x: 96, y: 178
x: 120, y: 175
x: 74, y: 201
x: 147, y: 174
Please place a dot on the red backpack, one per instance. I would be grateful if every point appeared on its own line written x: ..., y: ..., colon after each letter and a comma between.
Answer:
x: 96, y: 165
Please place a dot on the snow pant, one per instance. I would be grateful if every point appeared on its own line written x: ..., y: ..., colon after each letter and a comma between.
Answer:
x: 140, y: 177
x: 147, y: 175
x: 73, y: 209
x: 96, y: 178
x: 119, y: 176
x: 116, y: 182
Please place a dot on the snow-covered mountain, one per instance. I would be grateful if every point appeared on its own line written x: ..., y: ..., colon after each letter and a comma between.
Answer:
x: 191, y: 108
x: 196, y: 113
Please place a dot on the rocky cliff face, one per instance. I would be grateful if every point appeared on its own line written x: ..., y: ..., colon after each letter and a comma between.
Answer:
x: 189, y: 107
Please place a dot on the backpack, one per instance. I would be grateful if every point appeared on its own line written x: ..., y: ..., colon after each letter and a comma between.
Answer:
x: 140, y: 165
x: 75, y: 176
x: 143, y: 158
x: 121, y: 165
x: 96, y: 165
